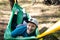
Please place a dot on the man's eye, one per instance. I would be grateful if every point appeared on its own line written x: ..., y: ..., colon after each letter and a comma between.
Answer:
x: 33, y: 26
x: 28, y: 25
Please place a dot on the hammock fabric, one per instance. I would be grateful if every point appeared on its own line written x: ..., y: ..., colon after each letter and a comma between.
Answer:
x: 15, y: 19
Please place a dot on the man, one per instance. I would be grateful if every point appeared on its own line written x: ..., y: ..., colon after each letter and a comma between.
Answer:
x: 26, y: 30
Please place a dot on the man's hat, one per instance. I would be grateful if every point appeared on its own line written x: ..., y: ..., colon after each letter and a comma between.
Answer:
x: 33, y: 20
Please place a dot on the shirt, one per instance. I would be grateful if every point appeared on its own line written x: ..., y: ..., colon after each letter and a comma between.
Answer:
x: 21, y: 30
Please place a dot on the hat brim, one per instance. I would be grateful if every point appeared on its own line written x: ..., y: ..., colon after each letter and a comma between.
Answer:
x: 31, y: 22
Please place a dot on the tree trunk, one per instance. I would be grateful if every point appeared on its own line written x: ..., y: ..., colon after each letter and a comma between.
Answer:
x: 12, y: 3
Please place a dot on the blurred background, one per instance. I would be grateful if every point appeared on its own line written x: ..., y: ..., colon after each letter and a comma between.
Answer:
x: 47, y: 12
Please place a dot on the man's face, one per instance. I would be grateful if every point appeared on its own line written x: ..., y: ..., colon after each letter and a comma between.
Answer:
x: 31, y: 28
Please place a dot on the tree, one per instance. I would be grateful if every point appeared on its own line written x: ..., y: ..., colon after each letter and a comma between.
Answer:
x: 12, y: 3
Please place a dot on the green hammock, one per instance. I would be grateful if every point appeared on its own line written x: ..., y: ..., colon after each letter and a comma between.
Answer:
x: 14, y: 20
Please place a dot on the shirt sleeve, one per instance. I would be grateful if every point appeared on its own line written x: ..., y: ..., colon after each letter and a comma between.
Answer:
x: 18, y: 31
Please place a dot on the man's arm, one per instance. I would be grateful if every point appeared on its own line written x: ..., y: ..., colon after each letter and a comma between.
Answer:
x: 18, y: 31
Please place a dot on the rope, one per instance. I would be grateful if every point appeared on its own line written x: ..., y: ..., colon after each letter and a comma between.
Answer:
x: 15, y: 1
